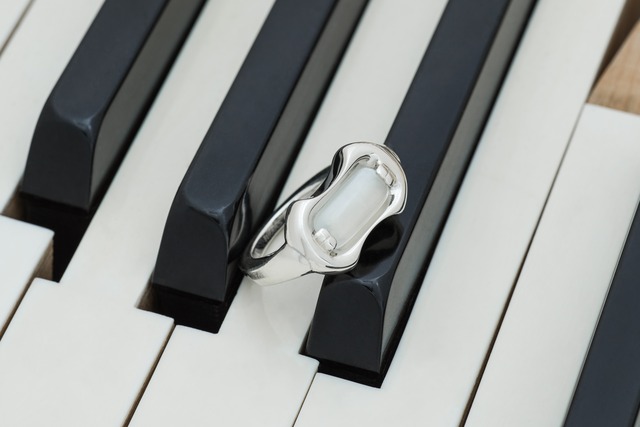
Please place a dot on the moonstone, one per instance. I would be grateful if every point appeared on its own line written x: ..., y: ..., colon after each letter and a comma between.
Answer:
x: 353, y: 206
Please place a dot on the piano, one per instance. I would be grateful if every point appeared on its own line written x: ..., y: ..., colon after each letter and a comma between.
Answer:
x: 143, y: 142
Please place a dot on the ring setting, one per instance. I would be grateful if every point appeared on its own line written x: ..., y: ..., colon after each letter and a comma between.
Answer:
x: 323, y: 226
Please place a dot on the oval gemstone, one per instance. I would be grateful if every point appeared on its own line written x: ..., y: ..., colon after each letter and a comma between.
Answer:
x: 352, y: 207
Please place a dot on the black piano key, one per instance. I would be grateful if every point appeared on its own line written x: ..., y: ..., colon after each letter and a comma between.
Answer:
x: 608, y: 391
x: 360, y: 315
x: 95, y: 110
x: 235, y: 177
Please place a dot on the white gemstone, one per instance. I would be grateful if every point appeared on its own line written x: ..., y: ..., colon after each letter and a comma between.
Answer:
x: 354, y: 206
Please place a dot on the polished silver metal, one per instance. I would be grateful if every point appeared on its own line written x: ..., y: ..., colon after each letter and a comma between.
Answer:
x: 323, y: 226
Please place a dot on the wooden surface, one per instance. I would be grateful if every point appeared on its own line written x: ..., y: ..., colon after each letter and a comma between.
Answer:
x: 13, y: 209
x: 619, y: 86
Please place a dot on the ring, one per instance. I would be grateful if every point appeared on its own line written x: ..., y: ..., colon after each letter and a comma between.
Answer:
x: 323, y: 226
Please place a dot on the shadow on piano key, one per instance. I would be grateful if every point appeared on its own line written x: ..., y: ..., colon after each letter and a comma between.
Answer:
x: 235, y: 178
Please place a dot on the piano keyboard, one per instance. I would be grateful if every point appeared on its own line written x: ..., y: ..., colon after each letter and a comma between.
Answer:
x: 479, y: 306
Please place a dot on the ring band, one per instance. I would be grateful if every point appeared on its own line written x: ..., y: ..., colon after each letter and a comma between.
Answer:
x: 323, y: 226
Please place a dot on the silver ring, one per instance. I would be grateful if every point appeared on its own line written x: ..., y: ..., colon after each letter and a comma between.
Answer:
x: 323, y: 226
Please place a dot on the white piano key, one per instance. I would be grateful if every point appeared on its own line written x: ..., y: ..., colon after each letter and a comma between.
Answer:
x: 29, y: 68
x: 119, y: 249
x: 67, y: 360
x: 78, y: 354
x: 251, y: 372
x: 25, y: 252
x: 11, y: 12
x: 477, y: 260
x: 536, y: 360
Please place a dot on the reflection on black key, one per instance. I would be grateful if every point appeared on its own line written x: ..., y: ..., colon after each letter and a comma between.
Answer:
x: 95, y: 110
x: 235, y: 178
x: 360, y: 314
